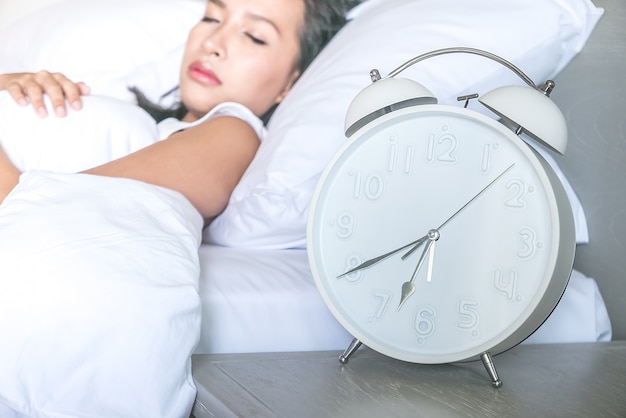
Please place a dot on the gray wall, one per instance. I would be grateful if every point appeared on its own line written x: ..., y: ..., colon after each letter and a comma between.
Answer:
x: 591, y: 91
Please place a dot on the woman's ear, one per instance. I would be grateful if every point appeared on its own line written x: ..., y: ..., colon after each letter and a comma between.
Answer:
x: 292, y: 79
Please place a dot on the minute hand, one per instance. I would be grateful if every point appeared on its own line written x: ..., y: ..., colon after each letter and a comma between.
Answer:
x: 416, y: 246
x: 375, y: 260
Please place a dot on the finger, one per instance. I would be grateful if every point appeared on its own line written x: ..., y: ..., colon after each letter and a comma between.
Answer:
x: 72, y: 92
x: 15, y: 90
x: 84, y: 88
x: 74, y: 96
x: 57, y: 87
x: 34, y: 93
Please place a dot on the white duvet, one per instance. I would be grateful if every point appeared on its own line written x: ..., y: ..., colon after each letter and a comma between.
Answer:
x: 99, y: 304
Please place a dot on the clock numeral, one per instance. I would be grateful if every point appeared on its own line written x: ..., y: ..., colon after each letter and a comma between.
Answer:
x: 506, y: 286
x: 393, y: 154
x: 372, y: 185
x: 530, y: 245
x: 468, y: 314
x: 518, y: 189
x: 488, y: 150
x: 383, y: 304
x: 442, y: 148
x: 351, y: 263
x: 392, y: 160
x: 345, y: 224
x: 425, y: 323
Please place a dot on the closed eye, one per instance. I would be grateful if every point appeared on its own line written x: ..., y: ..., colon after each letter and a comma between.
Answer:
x: 212, y: 20
x: 256, y: 40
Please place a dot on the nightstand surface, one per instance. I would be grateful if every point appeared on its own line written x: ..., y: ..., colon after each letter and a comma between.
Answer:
x: 560, y: 380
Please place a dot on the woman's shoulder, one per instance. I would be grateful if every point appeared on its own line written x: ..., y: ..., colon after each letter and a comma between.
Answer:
x: 168, y: 126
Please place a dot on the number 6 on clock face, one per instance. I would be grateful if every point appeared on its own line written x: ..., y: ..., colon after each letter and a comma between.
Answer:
x: 436, y: 235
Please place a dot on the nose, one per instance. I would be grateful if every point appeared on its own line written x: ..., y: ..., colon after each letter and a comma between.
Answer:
x: 215, y: 43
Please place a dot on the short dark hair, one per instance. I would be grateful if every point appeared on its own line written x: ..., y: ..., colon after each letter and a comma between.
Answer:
x: 322, y: 20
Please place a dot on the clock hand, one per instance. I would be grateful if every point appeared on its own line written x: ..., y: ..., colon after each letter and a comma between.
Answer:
x: 431, y: 262
x: 375, y: 260
x: 462, y: 207
x: 408, y: 288
x: 476, y: 196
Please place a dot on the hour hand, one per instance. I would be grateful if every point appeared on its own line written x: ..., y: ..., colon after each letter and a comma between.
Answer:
x: 408, y: 288
x: 380, y: 258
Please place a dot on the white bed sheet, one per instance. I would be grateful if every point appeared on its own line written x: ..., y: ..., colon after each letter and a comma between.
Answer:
x: 266, y: 301
x: 262, y: 301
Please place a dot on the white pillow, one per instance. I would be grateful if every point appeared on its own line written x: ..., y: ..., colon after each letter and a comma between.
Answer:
x: 105, y: 129
x: 109, y: 44
x: 269, y: 206
x: 10, y: 11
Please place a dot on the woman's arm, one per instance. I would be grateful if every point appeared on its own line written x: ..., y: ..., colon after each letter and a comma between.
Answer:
x: 9, y: 175
x: 204, y: 162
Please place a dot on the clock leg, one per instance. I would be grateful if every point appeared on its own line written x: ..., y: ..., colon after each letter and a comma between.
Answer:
x: 491, y: 369
x: 354, y: 345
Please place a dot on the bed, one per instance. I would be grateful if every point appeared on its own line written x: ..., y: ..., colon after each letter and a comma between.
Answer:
x: 249, y: 288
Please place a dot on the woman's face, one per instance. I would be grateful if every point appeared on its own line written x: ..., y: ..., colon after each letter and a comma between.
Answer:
x: 243, y: 51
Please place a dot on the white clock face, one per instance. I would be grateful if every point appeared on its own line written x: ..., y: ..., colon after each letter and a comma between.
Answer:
x: 491, y: 227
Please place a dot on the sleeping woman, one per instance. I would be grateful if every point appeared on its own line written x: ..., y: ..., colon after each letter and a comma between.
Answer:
x: 240, y: 61
x: 99, y: 297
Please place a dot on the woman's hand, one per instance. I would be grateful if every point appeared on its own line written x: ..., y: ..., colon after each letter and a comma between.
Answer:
x: 30, y: 88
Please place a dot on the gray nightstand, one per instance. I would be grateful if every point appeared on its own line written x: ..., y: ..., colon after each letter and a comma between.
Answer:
x: 560, y: 380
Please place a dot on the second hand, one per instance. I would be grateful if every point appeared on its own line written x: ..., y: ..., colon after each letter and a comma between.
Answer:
x: 416, y: 246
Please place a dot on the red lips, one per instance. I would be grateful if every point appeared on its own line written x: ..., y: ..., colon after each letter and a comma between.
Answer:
x: 201, y: 74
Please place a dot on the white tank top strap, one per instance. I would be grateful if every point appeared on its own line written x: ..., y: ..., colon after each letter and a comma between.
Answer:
x: 168, y: 126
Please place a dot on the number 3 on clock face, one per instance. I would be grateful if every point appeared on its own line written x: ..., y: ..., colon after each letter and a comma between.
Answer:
x: 436, y: 235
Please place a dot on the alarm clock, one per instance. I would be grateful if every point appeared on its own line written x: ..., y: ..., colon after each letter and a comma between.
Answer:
x: 436, y: 234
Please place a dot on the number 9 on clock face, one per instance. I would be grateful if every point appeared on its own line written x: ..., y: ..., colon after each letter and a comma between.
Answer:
x: 457, y: 237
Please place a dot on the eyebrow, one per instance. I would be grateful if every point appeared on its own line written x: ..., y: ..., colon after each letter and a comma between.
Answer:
x: 256, y: 17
